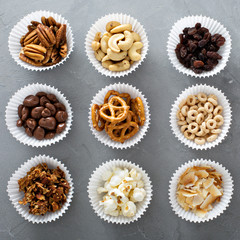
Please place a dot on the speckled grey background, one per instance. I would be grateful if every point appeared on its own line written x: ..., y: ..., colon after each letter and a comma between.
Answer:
x: 160, y: 153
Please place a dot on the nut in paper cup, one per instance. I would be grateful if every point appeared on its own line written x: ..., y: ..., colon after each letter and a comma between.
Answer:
x: 11, y: 116
x: 100, y: 26
x: 214, y: 27
x: 96, y: 181
x: 20, y: 29
x: 15, y: 195
x: 227, y: 115
x: 218, y: 208
x: 102, y: 136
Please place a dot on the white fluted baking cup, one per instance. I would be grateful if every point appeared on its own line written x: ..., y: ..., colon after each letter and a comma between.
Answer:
x: 102, y: 136
x: 214, y: 27
x: 218, y: 208
x: 227, y: 115
x: 96, y: 181
x: 15, y: 195
x: 20, y: 29
x: 100, y: 26
x: 11, y: 116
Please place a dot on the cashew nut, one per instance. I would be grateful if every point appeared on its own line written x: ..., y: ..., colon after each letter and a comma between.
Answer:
x: 99, y: 54
x: 122, y: 28
x: 107, y: 63
x: 97, y: 37
x: 136, y: 37
x: 104, y: 44
x: 127, y: 43
x: 108, y: 34
x: 111, y: 25
x: 121, y: 66
x: 116, y: 56
x: 95, y: 45
x: 132, y: 51
x: 106, y: 58
x: 112, y: 42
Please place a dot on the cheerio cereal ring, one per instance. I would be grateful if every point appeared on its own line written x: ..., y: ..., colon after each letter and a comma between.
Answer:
x: 211, y: 124
x: 213, y: 101
x: 188, y: 120
x: 218, y: 110
x: 182, y: 103
x: 201, y: 104
x: 201, y: 132
x: 204, y: 127
x: 212, y: 137
x: 184, y: 110
x: 193, y: 127
x: 184, y: 128
x: 219, y: 120
x: 189, y: 135
x: 202, y: 97
x: 213, y: 96
x: 200, y: 118
x: 181, y: 123
x: 199, y: 140
x: 209, y: 116
x: 208, y: 106
x: 192, y: 114
x: 193, y: 108
x: 216, y: 131
x: 202, y: 110
x: 191, y: 100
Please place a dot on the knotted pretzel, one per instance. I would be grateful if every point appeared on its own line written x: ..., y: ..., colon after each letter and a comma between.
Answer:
x: 96, y: 118
x: 115, y: 93
x: 138, y: 108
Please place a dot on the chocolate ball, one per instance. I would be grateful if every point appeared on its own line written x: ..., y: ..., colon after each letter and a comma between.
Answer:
x: 44, y: 100
x: 50, y: 135
x: 61, y: 116
x: 52, y: 98
x: 60, y: 127
x: 19, y: 123
x: 28, y: 132
x: 48, y: 123
x: 46, y: 113
x: 31, y: 101
x: 51, y: 107
x: 20, y: 107
x: 59, y: 107
x: 39, y: 133
x: 31, y: 123
x: 36, y: 112
x: 25, y: 113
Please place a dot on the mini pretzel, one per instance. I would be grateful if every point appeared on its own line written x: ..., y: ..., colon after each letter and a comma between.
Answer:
x: 218, y: 110
x: 202, y: 97
x: 138, y: 108
x: 208, y: 106
x: 219, y: 120
x: 211, y: 124
x: 192, y: 114
x: 193, y: 127
x: 96, y: 118
x: 115, y: 93
x: 113, y: 109
x: 191, y: 100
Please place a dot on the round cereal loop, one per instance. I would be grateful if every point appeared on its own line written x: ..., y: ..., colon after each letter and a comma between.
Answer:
x: 192, y: 114
x: 201, y: 104
x: 177, y: 114
x: 213, y: 96
x: 208, y: 106
x: 189, y: 135
x: 188, y: 120
x: 204, y: 127
x: 200, y: 140
x: 209, y: 116
x: 200, y: 118
x: 213, y: 101
x: 184, y: 128
x: 202, y: 110
x: 202, y: 97
x: 193, y: 127
x: 218, y: 110
x: 184, y: 110
x: 201, y: 132
x: 191, y: 100
x: 193, y: 108
x: 211, y: 124
x: 219, y: 120
x: 182, y: 103
x: 181, y: 123
x: 212, y: 137
x: 216, y: 131
x: 182, y: 118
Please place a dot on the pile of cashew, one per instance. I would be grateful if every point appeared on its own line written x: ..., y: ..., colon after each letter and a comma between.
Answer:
x: 118, y: 48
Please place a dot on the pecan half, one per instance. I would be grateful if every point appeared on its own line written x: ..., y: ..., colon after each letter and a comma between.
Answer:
x: 35, y: 52
x: 51, y: 21
x: 28, y: 60
x: 45, y: 36
x: 63, y: 50
x: 61, y: 35
x: 48, y: 56
x: 30, y: 37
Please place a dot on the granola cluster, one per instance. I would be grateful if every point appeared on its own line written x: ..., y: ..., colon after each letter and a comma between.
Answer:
x: 45, y: 189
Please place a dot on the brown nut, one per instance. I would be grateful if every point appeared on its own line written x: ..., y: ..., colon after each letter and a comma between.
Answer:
x: 35, y: 52
x: 61, y: 116
x: 49, y: 135
x: 25, y: 113
x: 51, y: 107
x: 31, y: 123
x: 30, y: 38
x: 28, y: 131
x: 29, y: 61
x: 59, y: 106
x: 36, y: 112
x: 20, y: 107
x: 39, y: 133
x: 46, y: 113
x: 52, y: 98
x: 48, y: 123
x: 40, y: 94
x: 46, y: 36
x: 63, y: 50
x: 60, y: 127
x: 19, y: 123
x: 61, y: 35
x: 31, y: 101
x: 44, y: 100
x: 111, y: 25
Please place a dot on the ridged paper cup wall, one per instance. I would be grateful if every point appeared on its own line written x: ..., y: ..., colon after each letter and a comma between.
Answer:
x: 96, y: 181
x: 214, y: 27
x: 11, y: 116
x: 100, y: 26
x: 102, y: 136
x: 20, y: 29
x: 218, y: 208
x: 15, y: 195
x: 227, y: 115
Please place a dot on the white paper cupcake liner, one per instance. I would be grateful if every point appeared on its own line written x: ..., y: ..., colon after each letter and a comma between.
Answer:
x: 20, y: 29
x: 102, y: 136
x: 218, y: 208
x: 96, y: 181
x: 227, y: 115
x: 15, y: 195
x: 100, y: 26
x: 214, y: 27
x: 11, y: 116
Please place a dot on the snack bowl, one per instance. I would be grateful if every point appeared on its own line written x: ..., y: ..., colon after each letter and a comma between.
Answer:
x: 96, y: 181
x: 218, y: 208
x: 102, y: 136
x: 100, y: 26
x: 214, y: 27
x: 227, y: 115
x: 15, y: 195
x: 11, y: 115
x: 20, y: 29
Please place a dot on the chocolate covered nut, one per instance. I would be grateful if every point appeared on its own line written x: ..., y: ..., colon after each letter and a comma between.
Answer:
x: 61, y: 116
x: 28, y: 132
x: 36, y: 112
x: 48, y: 123
x: 60, y: 127
x: 20, y: 107
x: 31, y: 101
x: 52, y: 98
x: 46, y: 112
x: 51, y: 107
x: 31, y: 123
x: 19, y: 123
x: 40, y: 94
x: 25, y: 113
x: 39, y: 133
x: 59, y: 107
x: 49, y: 135
x: 44, y: 100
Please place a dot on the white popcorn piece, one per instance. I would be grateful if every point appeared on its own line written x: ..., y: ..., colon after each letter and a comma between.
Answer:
x: 101, y: 190
x: 109, y: 205
x: 135, y: 175
x: 125, y: 188
x: 138, y: 195
x: 115, y: 180
x: 140, y: 184
x: 129, y: 209
x: 118, y: 196
x: 107, y: 175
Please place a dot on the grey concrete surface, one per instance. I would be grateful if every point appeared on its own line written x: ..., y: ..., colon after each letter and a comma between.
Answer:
x: 160, y: 153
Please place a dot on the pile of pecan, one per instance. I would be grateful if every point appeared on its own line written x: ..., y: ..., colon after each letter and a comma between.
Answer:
x: 45, y: 189
x: 45, y: 44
